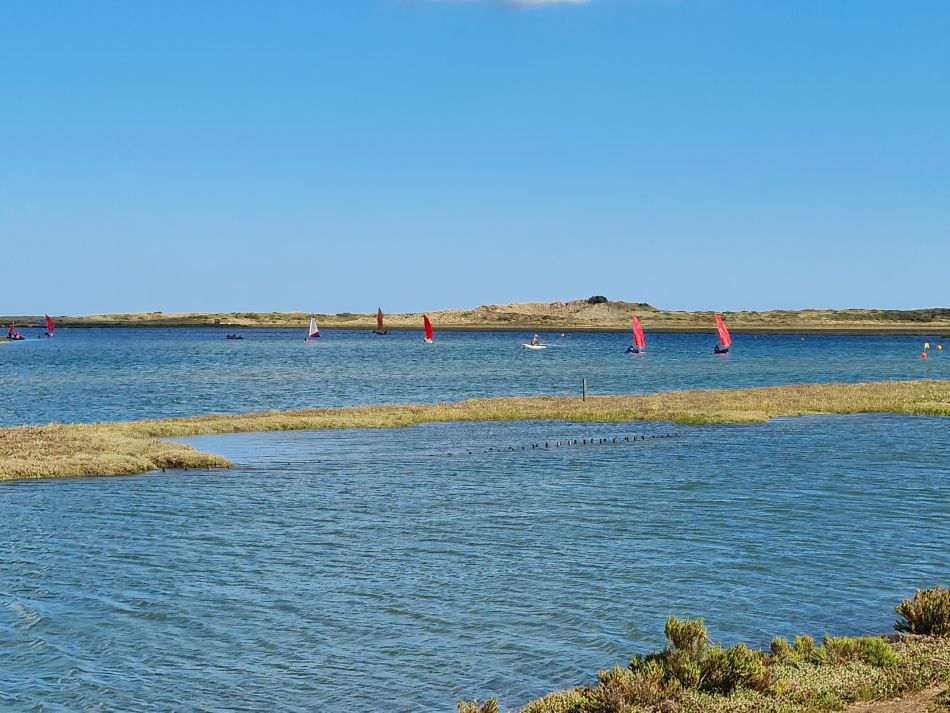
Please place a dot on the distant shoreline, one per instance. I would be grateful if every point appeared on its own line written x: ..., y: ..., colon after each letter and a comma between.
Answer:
x: 592, y: 315
x: 934, y: 332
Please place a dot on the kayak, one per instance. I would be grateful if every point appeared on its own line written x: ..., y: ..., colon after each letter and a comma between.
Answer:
x: 534, y: 347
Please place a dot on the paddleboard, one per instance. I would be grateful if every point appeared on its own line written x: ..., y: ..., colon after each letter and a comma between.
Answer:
x: 533, y: 346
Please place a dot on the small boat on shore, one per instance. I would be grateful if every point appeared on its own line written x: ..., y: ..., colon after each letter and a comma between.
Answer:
x: 313, y: 332
x: 725, y: 339
x: 13, y: 335
x: 379, y: 322
x: 639, y: 341
x: 427, y: 326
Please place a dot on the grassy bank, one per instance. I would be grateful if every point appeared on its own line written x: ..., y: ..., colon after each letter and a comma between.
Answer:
x: 577, y: 315
x: 692, y: 675
x: 135, y: 447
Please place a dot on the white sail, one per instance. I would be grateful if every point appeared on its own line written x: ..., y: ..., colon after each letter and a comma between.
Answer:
x: 314, y: 330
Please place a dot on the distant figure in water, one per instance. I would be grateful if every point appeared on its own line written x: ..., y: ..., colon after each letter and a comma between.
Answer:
x: 535, y: 340
x: 632, y: 350
x: 720, y: 350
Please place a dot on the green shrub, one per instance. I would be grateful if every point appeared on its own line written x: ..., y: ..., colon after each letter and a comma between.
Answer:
x: 780, y: 648
x: 575, y: 700
x: 747, y: 668
x: 870, y: 649
x: 618, y: 688
x: 490, y: 706
x: 687, y: 635
x: 928, y: 613
x: 692, y: 675
x: 833, y: 650
x: 806, y: 651
x: 802, y: 651
x: 690, y: 663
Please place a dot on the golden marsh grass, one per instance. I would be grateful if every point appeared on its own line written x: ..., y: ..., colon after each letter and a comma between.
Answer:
x: 57, y: 451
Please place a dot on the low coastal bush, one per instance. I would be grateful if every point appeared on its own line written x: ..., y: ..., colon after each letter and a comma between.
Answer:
x: 597, y: 300
x: 872, y: 650
x: 691, y: 662
x: 489, y: 706
x: 928, y: 613
x: 694, y: 675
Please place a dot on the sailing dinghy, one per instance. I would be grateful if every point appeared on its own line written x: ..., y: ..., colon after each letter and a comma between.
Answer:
x: 379, y: 322
x: 535, y: 344
x: 13, y: 335
x: 50, y: 327
x: 725, y: 339
x: 313, y: 332
x: 639, y: 341
x: 429, y: 336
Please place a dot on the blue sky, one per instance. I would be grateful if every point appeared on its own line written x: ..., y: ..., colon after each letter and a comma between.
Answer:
x: 329, y: 156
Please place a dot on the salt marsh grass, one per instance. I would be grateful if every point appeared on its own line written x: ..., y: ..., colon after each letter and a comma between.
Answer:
x: 138, y: 446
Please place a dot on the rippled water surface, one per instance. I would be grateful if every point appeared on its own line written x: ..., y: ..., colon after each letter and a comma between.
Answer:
x: 371, y: 570
x: 116, y: 374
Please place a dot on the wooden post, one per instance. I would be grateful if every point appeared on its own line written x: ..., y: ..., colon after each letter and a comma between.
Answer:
x: 584, y: 389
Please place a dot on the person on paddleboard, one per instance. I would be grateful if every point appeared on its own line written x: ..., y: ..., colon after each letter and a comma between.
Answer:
x: 535, y: 340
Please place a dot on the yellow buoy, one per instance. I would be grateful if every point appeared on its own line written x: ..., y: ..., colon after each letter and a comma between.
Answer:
x: 940, y: 347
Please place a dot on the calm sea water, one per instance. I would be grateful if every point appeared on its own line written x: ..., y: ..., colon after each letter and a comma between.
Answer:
x: 401, y: 570
x: 116, y: 374
x: 370, y: 570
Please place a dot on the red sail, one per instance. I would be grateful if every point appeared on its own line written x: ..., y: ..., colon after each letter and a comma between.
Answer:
x: 379, y: 319
x: 428, y: 326
x: 724, y: 339
x: 50, y: 327
x: 638, y: 340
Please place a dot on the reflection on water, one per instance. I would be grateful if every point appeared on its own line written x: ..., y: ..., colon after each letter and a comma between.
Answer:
x: 360, y: 570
